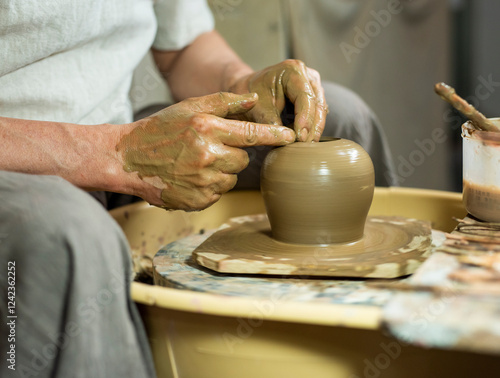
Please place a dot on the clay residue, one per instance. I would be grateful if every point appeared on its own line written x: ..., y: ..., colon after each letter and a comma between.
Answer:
x: 191, y: 153
x: 165, y: 161
x: 302, y: 86
x: 486, y: 137
x: 383, y: 252
x: 483, y: 202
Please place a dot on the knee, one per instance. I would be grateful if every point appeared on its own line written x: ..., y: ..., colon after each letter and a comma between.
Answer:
x: 349, y: 116
x: 46, y: 214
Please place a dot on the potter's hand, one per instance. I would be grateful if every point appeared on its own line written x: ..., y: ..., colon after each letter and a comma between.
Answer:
x: 186, y: 155
x: 300, y: 84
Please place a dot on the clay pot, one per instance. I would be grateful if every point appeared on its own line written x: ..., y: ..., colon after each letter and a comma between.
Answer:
x: 318, y: 193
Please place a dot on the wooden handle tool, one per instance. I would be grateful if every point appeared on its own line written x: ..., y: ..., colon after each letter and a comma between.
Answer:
x: 448, y: 94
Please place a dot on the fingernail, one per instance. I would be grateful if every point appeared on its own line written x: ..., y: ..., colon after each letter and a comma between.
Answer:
x: 248, y: 100
x: 303, y: 134
x: 289, y: 135
x: 249, y: 96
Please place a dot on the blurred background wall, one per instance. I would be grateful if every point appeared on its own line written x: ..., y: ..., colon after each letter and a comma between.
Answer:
x: 391, y: 52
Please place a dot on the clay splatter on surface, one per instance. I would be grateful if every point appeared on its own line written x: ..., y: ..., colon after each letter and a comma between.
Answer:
x: 453, y: 300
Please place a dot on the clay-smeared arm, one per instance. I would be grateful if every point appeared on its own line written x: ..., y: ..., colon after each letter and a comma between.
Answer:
x: 183, y: 157
x: 209, y: 65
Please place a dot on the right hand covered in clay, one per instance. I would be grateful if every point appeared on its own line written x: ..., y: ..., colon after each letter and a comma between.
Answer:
x: 187, y: 155
x: 292, y: 80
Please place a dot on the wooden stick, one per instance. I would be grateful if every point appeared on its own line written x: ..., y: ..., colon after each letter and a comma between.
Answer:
x: 448, y: 94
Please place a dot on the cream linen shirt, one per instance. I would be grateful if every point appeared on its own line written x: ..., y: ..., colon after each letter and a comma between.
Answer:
x: 72, y: 61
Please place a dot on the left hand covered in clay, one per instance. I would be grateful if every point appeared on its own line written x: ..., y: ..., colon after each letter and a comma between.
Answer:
x: 293, y: 80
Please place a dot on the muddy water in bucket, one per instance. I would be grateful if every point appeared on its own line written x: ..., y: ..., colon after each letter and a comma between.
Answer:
x: 481, y: 172
x: 318, y: 193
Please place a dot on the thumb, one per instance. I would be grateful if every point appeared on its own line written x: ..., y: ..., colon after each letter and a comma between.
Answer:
x: 266, y: 115
x: 223, y: 104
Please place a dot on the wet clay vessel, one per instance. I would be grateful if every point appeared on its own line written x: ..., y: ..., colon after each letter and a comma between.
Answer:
x: 317, y: 198
x: 318, y: 193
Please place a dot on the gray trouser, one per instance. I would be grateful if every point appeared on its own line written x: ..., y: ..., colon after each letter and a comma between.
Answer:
x: 69, y: 266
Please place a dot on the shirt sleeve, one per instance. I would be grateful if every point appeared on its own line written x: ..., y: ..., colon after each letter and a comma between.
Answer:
x: 180, y: 22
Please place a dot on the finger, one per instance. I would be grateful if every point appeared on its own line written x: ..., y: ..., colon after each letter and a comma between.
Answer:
x: 321, y: 106
x: 200, y: 202
x: 299, y: 90
x: 243, y: 134
x: 266, y: 114
x: 271, y: 101
x: 223, y: 104
x: 201, y: 198
x: 305, y: 111
x: 189, y: 199
x: 226, y: 183
x: 198, y: 197
x: 230, y: 160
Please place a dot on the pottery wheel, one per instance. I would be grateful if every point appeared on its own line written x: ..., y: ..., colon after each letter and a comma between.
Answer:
x: 391, y: 247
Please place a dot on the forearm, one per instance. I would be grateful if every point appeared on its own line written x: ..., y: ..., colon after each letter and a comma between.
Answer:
x: 208, y: 65
x: 84, y: 155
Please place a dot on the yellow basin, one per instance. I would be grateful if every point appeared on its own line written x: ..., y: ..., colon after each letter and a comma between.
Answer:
x: 202, y: 335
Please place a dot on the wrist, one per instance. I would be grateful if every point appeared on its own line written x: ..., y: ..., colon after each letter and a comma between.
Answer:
x: 119, y: 177
x: 96, y: 164
x: 236, y: 77
x: 116, y: 177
